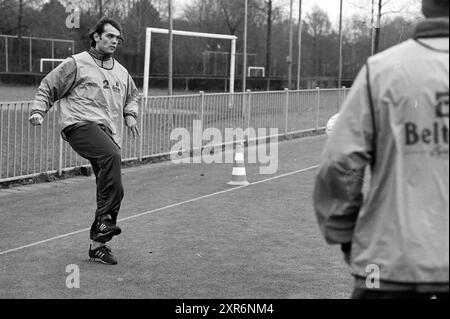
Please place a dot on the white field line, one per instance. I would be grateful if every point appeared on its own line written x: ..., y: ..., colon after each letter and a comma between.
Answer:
x: 161, y: 209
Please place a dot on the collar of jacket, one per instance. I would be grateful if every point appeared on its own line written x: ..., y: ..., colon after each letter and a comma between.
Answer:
x: 432, y: 28
x: 98, y: 55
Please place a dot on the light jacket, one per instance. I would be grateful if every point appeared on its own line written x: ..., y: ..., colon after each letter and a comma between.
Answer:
x: 88, y: 92
x: 395, y: 119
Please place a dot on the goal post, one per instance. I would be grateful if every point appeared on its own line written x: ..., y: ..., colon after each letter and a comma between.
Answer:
x: 41, y: 69
x: 256, y: 68
x: 148, y: 40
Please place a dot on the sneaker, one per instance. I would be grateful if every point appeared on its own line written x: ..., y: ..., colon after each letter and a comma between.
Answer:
x: 93, y: 234
x: 105, y: 231
x: 102, y: 254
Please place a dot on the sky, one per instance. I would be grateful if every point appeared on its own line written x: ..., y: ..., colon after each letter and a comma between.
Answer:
x: 363, y: 7
x: 408, y: 8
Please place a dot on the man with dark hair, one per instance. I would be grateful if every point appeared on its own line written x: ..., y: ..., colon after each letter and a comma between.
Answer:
x: 96, y: 96
x: 100, y: 29
x: 396, y: 120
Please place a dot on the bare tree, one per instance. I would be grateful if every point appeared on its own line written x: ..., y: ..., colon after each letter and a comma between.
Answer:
x: 117, y: 9
x: 406, y: 8
x: 142, y: 14
x: 204, y: 14
x: 233, y: 11
x: 357, y: 36
x: 162, y: 7
x: 396, y: 30
x: 319, y: 25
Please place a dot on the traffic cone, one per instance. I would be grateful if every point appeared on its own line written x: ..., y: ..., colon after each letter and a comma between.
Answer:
x: 239, y: 175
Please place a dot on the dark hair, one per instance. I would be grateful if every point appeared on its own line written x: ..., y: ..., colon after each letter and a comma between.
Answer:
x: 100, y: 28
x: 435, y: 8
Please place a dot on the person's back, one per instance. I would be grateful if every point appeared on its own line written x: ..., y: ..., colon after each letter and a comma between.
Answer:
x: 395, y: 119
x: 410, y: 177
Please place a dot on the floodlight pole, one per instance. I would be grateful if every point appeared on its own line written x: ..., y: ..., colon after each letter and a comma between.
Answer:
x: 372, y: 29
x: 299, y: 43
x: 289, y: 59
x: 170, y: 84
x: 244, y: 65
x: 340, y: 47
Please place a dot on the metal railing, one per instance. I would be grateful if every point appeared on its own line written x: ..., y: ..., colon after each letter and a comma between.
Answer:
x: 28, y: 151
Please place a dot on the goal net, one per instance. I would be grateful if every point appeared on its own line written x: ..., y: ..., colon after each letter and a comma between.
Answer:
x: 148, y: 46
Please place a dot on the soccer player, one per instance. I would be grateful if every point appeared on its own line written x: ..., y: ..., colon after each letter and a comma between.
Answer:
x: 96, y: 95
x: 395, y: 119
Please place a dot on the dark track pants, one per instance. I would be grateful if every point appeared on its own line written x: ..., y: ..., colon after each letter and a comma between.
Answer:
x: 93, y: 142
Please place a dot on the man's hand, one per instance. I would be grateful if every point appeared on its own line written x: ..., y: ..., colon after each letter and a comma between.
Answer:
x: 131, y: 123
x: 347, y: 252
x: 347, y: 258
x: 36, y: 119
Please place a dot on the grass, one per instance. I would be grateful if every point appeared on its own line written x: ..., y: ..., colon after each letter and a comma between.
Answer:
x: 256, y: 242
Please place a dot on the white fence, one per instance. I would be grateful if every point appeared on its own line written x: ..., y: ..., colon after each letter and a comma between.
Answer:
x: 27, y: 151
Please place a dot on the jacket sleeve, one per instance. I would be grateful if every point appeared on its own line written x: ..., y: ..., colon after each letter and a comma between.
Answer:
x: 338, y: 187
x: 55, y: 86
x: 131, y: 106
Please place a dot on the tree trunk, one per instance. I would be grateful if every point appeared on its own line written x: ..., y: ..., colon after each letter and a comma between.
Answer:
x: 377, y: 41
x: 378, y: 28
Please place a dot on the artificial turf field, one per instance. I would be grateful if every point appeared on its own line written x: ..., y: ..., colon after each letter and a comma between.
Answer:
x: 186, y: 234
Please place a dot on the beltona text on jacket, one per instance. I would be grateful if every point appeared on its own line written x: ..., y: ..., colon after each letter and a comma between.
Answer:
x: 396, y: 119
